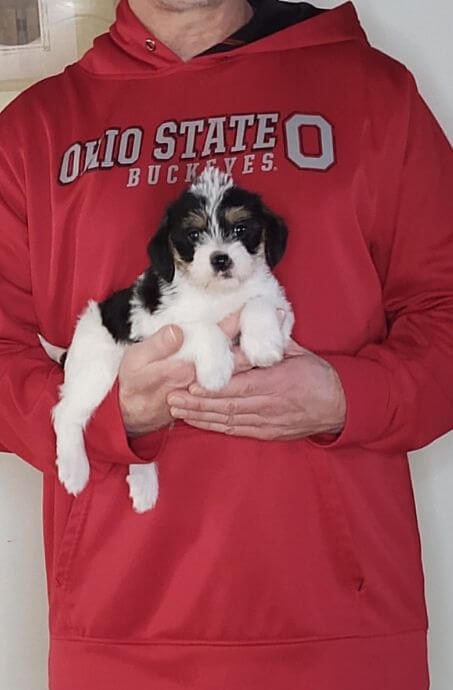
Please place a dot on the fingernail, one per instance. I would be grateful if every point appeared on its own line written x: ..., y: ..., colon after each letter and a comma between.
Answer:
x: 171, y: 336
x: 176, y: 401
x: 195, y: 390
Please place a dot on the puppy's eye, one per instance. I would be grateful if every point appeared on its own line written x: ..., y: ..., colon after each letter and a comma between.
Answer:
x: 194, y: 236
x: 239, y: 229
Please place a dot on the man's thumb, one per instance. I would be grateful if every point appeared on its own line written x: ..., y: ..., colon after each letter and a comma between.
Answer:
x: 164, y: 343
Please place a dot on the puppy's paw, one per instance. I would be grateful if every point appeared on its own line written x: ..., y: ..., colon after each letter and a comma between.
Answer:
x: 216, y: 374
x: 143, y: 486
x: 73, y: 471
x: 263, y: 349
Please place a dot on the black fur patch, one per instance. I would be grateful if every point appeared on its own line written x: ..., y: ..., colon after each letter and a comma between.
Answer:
x: 115, y: 312
x: 149, y: 291
x: 276, y: 237
x: 173, y: 231
x: 251, y: 203
x: 261, y: 220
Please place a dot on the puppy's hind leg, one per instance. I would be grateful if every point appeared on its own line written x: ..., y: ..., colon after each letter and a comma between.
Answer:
x: 143, y: 486
x: 72, y: 462
x: 91, y: 368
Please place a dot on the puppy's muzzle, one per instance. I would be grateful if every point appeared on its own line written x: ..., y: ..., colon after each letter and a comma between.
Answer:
x: 221, y: 262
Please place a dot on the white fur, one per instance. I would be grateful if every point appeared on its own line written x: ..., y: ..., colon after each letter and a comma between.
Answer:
x: 197, y: 300
x: 94, y: 358
x: 198, y: 311
x: 143, y: 486
x: 53, y: 351
x: 212, y: 185
x: 200, y: 273
x: 91, y: 368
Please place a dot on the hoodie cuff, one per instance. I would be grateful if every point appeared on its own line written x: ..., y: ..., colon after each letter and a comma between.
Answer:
x: 367, y: 392
x: 107, y: 440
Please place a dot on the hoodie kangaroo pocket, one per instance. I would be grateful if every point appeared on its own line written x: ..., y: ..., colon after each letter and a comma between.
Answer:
x: 334, y: 520
x: 69, y: 542
x: 249, y: 541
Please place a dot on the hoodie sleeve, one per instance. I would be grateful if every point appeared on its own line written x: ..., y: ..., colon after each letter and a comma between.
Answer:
x: 29, y: 380
x: 399, y: 392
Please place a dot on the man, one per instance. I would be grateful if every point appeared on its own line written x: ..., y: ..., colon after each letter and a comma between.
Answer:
x: 283, y: 551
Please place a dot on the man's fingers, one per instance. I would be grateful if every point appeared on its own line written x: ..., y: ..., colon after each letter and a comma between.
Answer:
x: 164, y: 343
x: 242, y: 385
x: 241, y: 362
x: 281, y: 315
x: 261, y: 433
x: 182, y: 400
x: 174, y: 374
x: 230, y: 325
x: 217, y: 417
x: 293, y: 349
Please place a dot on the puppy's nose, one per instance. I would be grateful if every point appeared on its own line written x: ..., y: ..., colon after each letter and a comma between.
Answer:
x: 221, y: 262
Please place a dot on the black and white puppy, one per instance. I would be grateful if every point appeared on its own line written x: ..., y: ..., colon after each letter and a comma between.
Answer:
x: 211, y: 256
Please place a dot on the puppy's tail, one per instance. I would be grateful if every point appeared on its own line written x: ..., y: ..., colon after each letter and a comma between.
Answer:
x: 58, y: 354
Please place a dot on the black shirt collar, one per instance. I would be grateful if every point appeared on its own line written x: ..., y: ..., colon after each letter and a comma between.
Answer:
x: 269, y: 16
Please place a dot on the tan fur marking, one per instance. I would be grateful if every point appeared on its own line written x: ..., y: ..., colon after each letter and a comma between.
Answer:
x: 236, y: 213
x: 196, y: 219
x: 179, y: 262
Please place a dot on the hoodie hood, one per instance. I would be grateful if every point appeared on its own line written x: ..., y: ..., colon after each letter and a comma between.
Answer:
x: 130, y: 48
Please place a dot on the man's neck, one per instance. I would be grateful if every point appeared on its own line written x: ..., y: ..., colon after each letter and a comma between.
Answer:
x: 189, y: 31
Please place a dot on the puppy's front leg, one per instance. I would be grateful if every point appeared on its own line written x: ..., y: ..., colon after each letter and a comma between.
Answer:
x: 209, y: 348
x: 262, y: 340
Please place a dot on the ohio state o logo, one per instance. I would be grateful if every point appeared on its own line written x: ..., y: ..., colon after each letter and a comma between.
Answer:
x: 293, y: 135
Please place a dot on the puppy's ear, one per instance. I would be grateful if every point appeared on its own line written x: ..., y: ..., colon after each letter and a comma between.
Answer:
x: 160, y: 253
x: 275, y: 237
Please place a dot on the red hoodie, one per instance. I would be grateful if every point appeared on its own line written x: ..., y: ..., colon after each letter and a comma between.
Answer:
x: 265, y: 565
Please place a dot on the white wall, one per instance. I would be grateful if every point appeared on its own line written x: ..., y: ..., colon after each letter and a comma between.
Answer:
x: 419, y: 34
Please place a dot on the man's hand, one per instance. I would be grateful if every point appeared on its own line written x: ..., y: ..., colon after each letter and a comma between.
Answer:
x: 301, y: 396
x: 148, y: 374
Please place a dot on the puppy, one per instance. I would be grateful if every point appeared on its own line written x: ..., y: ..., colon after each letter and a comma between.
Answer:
x: 211, y: 256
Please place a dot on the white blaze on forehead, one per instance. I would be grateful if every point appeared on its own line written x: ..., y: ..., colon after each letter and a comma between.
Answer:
x: 212, y: 185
